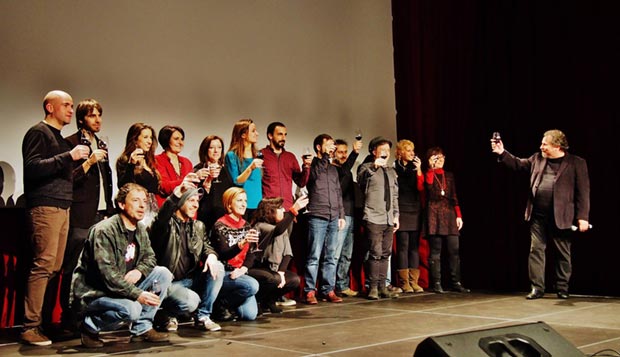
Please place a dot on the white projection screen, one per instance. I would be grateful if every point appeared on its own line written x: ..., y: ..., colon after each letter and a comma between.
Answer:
x: 319, y: 66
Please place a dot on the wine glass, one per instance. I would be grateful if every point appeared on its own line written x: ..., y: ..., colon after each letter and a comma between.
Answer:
x: 214, y: 171
x: 358, y: 134
x: 103, y: 144
x: 496, y: 137
x: 255, y: 247
x: 307, y: 153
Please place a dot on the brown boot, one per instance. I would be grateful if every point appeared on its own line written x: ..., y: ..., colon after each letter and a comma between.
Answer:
x: 414, y: 275
x: 403, y: 275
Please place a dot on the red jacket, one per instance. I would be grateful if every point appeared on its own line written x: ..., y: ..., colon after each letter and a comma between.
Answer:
x: 169, y: 178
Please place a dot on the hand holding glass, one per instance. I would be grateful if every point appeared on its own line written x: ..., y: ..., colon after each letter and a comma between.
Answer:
x: 214, y: 171
x: 253, y: 238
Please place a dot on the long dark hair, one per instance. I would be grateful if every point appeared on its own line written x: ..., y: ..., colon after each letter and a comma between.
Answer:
x: 131, y: 143
x: 266, y: 210
x: 203, y: 151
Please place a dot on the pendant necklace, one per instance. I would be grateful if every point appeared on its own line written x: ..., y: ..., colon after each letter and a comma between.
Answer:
x: 442, y: 184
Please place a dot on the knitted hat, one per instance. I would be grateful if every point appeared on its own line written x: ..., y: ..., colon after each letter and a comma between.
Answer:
x: 189, y: 193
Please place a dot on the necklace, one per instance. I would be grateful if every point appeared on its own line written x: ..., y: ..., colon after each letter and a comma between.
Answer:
x: 442, y: 184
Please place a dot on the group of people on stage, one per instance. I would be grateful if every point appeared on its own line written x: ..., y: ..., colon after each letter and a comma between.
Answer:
x: 211, y: 241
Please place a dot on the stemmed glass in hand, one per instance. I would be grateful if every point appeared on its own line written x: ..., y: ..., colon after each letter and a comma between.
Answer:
x: 307, y: 153
x: 214, y: 171
x: 497, y: 137
x: 358, y: 134
x: 103, y: 144
x: 253, y: 237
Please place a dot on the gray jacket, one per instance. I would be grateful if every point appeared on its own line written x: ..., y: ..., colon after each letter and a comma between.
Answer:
x: 372, y: 184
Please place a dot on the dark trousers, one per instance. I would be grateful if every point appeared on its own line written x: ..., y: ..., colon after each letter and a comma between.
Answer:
x: 541, y: 231
x: 379, y: 239
x: 75, y: 244
x: 454, y: 262
x: 268, y: 282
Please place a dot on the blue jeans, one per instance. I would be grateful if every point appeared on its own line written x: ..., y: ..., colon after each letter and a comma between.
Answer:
x: 344, y: 251
x: 239, y: 294
x: 183, y: 298
x: 322, y: 239
x: 108, y: 314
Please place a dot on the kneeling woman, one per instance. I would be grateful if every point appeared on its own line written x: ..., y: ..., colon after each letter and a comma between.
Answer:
x: 230, y: 237
x: 269, y: 262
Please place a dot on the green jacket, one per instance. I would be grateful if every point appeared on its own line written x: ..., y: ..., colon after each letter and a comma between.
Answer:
x: 101, y: 268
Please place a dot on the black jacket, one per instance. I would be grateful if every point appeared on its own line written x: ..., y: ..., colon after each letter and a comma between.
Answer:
x: 86, y: 187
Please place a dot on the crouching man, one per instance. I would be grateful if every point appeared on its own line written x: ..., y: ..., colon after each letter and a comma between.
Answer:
x: 181, y: 243
x: 117, y: 281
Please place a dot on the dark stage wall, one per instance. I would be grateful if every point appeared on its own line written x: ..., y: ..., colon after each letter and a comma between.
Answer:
x: 467, y: 68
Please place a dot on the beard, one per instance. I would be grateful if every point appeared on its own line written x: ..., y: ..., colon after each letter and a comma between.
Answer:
x: 279, y: 144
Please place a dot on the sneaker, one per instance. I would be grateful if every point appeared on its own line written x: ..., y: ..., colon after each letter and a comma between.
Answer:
x: 284, y: 301
x: 172, y: 325
x: 209, y: 325
x: 89, y: 339
x: 311, y: 298
x: 348, y: 292
x: 152, y: 336
x: 34, y: 336
x: 332, y: 297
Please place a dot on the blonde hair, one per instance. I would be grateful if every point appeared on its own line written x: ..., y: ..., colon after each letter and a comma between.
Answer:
x: 229, y: 196
x: 401, y: 146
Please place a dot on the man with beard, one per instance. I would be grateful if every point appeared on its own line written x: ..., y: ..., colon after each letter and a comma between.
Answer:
x: 280, y: 167
x: 92, y: 195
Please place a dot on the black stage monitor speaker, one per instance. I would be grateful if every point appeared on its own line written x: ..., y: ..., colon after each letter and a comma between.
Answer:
x: 528, y: 340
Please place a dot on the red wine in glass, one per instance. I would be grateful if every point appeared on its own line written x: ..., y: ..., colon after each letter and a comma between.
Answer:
x: 496, y: 137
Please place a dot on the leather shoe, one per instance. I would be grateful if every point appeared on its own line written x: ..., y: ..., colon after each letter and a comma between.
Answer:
x: 459, y: 288
x: 535, y: 294
x: 562, y: 295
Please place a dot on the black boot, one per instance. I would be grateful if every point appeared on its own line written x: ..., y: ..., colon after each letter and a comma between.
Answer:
x: 437, y: 288
x: 434, y: 266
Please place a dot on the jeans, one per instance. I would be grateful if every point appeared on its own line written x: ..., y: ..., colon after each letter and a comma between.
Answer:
x: 108, y: 314
x: 344, y: 251
x: 183, y: 296
x: 322, y: 239
x: 239, y: 294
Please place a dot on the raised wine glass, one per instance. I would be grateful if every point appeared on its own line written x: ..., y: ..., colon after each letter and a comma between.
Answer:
x: 496, y: 137
x: 358, y: 134
x: 214, y: 171
x: 307, y: 153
